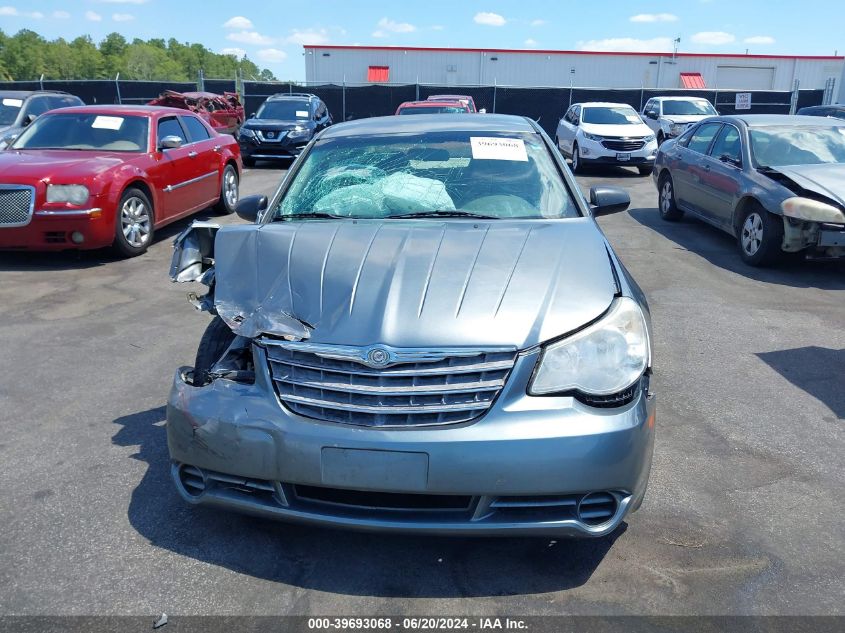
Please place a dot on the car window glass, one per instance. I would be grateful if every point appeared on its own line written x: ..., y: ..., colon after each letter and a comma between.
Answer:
x: 501, y: 175
x: 576, y: 115
x: 170, y: 127
x: 701, y: 138
x: 86, y: 132
x: 37, y: 106
x: 727, y: 144
x: 196, y: 129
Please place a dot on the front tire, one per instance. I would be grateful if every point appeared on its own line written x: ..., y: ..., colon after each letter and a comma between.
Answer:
x: 660, y: 139
x: 760, y: 237
x: 666, y: 200
x: 229, y: 184
x: 577, y: 165
x: 134, y: 230
x: 214, y: 342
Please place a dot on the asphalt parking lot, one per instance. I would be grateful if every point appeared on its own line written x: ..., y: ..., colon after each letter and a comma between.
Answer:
x: 741, y: 516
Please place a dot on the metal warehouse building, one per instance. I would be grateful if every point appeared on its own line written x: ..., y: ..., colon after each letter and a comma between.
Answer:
x: 467, y: 67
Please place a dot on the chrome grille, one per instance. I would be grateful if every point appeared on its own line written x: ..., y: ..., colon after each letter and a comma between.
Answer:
x: 16, y: 204
x: 444, y: 391
x: 623, y: 144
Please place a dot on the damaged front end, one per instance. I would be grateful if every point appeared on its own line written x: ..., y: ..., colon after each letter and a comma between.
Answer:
x: 193, y: 260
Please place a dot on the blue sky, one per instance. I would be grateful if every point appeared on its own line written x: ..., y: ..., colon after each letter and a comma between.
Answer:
x: 271, y: 32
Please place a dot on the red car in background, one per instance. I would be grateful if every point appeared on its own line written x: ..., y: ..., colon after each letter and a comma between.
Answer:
x: 469, y: 101
x: 223, y: 112
x: 93, y: 176
x: 432, y: 107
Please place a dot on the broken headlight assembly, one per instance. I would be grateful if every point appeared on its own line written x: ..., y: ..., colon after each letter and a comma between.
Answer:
x: 810, y: 210
x: 605, y: 359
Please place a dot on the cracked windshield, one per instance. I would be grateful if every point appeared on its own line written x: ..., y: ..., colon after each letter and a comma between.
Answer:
x: 447, y: 173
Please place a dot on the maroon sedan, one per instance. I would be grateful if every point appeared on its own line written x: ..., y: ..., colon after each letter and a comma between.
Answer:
x: 95, y: 176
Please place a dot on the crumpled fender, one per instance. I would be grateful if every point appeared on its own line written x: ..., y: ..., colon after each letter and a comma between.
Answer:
x: 193, y: 252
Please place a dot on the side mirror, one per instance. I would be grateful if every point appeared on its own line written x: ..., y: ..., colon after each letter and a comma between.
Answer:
x: 251, y: 115
x: 251, y: 207
x: 482, y: 111
x: 606, y: 200
x: 651, y: 114
x: 29, y: 118
x: 170, y: 142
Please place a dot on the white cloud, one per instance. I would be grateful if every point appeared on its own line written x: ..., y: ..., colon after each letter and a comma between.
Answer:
x: 250, y: 37
x: 306, y: 37
x: 93, y: 17
x: 237, y: 52
x: 714, y: 38
x: 538, y: 22
x: 759, y: 39
x: 60, y: 15
x: 122, y: 17
x: 628, y: 44
x: 386, y: 26
x: 14, y: 12
x: 530, y: 43
x: 272, y: 55
x: 654, y: 17
x: 489, y: 19
x: 238, y: 22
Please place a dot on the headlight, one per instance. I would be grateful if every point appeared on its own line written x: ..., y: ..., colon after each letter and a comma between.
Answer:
x: 677, y: 128
x: 74, y: 194
x: 593, y: 137
x: 649, y: 139
x: 299, y: 133
x: 811, y: 210
x: 246, y: 133
x: 604, y: 358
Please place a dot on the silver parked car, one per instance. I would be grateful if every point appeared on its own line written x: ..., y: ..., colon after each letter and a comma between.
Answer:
x: 423, y: 330
x: 775, y: 182
x: 669, y: 117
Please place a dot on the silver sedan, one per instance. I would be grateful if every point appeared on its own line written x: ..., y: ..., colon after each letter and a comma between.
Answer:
x: 775, y: 182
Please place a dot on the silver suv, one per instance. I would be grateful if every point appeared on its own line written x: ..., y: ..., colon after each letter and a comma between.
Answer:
x: 669, y: 117
x: 423, y: 330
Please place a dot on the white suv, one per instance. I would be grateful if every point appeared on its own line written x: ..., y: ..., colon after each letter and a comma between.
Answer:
x: 671, y: 116
x: 606, y: 134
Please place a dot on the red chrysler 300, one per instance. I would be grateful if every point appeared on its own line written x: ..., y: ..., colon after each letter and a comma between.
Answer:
x: 95, y: 176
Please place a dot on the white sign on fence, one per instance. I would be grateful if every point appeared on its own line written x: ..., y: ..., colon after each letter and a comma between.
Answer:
x: 743, y: 101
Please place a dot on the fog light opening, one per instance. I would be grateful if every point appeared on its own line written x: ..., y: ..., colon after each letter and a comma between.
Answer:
x: 192, y: 480
x: 596, y: 508
x: 77, y: 238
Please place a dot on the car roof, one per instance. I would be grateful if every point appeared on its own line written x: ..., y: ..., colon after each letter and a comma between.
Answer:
x: 602, y: 104
x: 763, y: 120
x: 475, y: 123
x: 429, y: 104
x: 690, y: 98
x: 433, y: 97
x: 23, y: 94
x: 832, y: 106
x: 295, y: 96
x: 118, y: 110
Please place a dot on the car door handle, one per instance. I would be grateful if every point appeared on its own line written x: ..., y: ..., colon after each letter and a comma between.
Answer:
x: 706, y: 167
x: 217, y: 148
x: 192, y: 155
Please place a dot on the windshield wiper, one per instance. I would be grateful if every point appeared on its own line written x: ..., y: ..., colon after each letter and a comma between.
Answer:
x: 313, y: 214
x: 443, y: 213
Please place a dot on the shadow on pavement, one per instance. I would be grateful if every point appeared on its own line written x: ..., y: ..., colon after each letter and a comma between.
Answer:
x: 720, y: 249
x: 816, y: 370
x: 349, y: 563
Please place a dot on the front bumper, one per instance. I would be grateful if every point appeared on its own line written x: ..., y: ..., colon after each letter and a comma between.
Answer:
x: 257, y: 149
x: 524, y: 468
x: 51, y: 230
x: 595, y: 153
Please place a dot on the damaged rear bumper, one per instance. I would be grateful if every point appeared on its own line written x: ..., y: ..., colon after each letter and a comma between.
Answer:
x: 530, y: 466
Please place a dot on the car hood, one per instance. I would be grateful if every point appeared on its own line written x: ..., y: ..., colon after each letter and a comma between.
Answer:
x: 275, y: 124
x: 417, y: 283
x: 67, y: 165
x: 827, y: 179
x: 635, y: 129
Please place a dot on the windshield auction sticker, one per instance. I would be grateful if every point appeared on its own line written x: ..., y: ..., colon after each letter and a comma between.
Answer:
x: 13, y: 103
x: 494, y: 148
x: 107, y: 123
